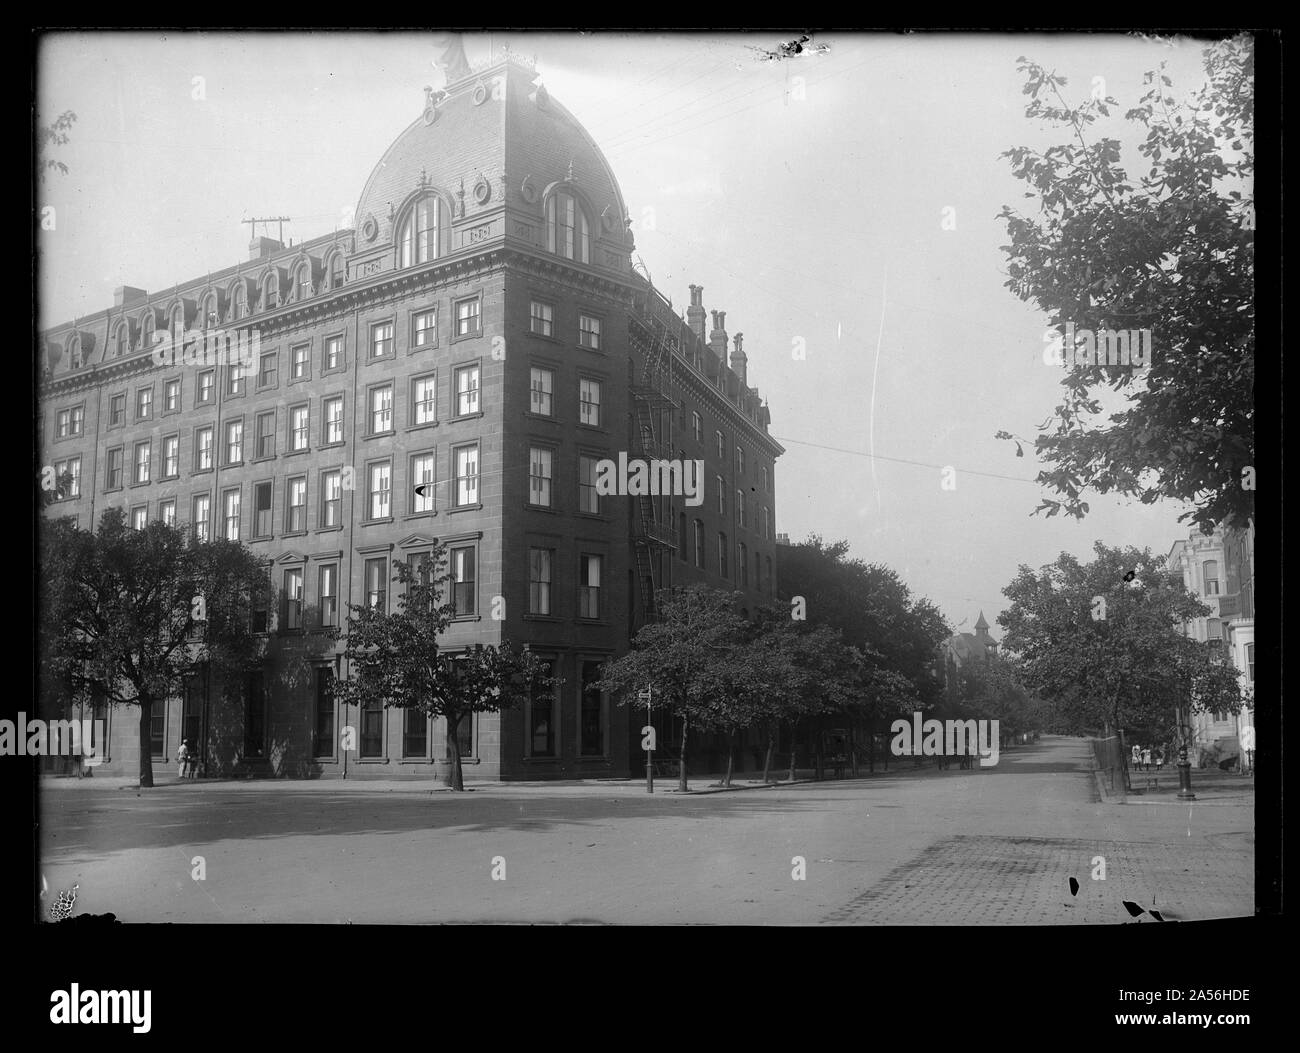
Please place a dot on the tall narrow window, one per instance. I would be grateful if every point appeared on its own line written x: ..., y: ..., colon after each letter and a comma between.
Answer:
x: 204, y: 393
x: 722, y: 554
x: 589, y: 331
x: 422, y: 483
x: 231, y: 503
x: 466, y: 460
x: 467, y: 317
x: 298, y: 428
x: 377, y: 583
x: 740, y: 508
x: 144, y: 404
x: 589, y: 586
x: 296, y: 509
x: 589, y: 402
x: 234, y: 441
x: 588, y: 498
x: 542, y: 318
x: 331, y: 512
x: 203, y: 440
x: 113, y: 479
x: 539, y: 580
x: 262, y: 509
x: 381, y: 340
x: 323, y: 729
x: 172, y: 396
x: 143, y: 451
x: 329, y: 594
x: 740, y: 459
x: 299, y: 361
x: 722, y: 496
x: 380, y: 490
x: 293, y: 598
x: 567, y: 233
x: 266, y: 434
x: 117, y: 410
x: 697, y: 426
x: 334, y: 419
x: 542, y: 382
x: 463, y: 590
x: 742, y: 564
x: 591, y: 717
x: 381, y: 409
x: 541, y: 717
x: 467, y: 390
x: 334, y: 352
x: 698, y: 546
x: 424, y: 328
x: 266, y: 374
x: 201, y: 520
x: 539, y: 476
x: 139, y: 517
x: 337, y: 278
x: 1210, y: 574
x: 372, y: 729
x: 424, y: 400
x: 417, y: 237
x: 235, y: 379
x: 167, y: 512
x: 415, y: 733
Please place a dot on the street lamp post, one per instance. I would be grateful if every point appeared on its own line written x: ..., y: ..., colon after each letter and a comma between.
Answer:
x: 1184, y: 765
x: 646, y: 694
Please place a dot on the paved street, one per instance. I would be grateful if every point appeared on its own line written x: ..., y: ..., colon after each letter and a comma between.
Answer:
x: 990, y: 846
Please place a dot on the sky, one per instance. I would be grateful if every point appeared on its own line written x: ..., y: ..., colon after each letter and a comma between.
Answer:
x: 843, y: 200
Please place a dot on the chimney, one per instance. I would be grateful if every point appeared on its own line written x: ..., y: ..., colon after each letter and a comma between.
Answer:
x: 695, y: 312
x: 260, y: 247
x: 125, y: 294
x: 739, y: 360
x: 718, y: 338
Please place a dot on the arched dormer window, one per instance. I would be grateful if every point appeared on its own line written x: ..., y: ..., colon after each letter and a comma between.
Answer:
x: 302, y: 289
x: 74, y: 351
x: 178, y: 318
x: 420, y: 234
x: 239, y: 300
x: 121, y: 340
x: 271, y: 292
x: 208, y: 316
x: 146, y: 329
x: 337, y: 277
x: 567, y: 231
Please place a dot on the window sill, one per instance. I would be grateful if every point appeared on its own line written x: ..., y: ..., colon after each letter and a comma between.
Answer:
x: 379, y: 435
x: 201, y: 471
x: 549, y: 418
x: 465, y: 416
x: 415, y: 349
x: 299, y: 380
x: 331, y: 370
x: 421, y: 427
x: 593, y: 350
x: 548, y: 509
x: 263, y: 457
x: 467, y: 618
x: 328, y: 529
x: 416, y: 760
x: 543, y: 618
x: 545, y: 336
x: 372, y: 760
x: 267, y: 387
x: 234, y: 464
x: 591, y: 621
x: 465, y: 508
x: 332, y: 445
x: 137, y: 485
x: 418, y: 515
x: 599, y: 517
x: 112, y: 489
x: 595, y: 428
x: 261, y: 540
x: 294, y: 533
x: 457, y: 338
x: 377, y: 522
x: 297, y: 453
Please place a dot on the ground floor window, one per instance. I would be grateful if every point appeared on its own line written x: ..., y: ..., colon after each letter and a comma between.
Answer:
x: 415, y: 733
x: 372, y: 729
x: 591, y: 716
x: 323, y: 729
x: 157, y: 728
x: 254, y: 716
x: 541, y: 717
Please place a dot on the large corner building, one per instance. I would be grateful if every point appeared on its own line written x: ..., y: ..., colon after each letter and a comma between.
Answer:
x: 453, y: 368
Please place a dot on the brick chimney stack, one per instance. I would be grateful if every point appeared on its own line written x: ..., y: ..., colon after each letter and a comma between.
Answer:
x: 718, y: 338
x: 695, y: 312
x: 739, y: 361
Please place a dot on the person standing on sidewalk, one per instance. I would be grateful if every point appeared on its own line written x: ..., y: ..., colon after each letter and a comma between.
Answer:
x: 1137, y: 756
x: 183, y: 760
x: 1146, y: 758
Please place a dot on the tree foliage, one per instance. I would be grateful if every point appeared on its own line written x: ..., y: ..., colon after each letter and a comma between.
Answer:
x: 1170, y: 250
x: 54, y: 134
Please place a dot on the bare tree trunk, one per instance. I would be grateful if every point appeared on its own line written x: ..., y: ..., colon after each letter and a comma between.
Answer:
x: 853, y: 749
x: 817, y: 750
x: 146, y: 748
x: 731, y: 756
x: 771, y: 748
x: 453, y: 745
x: 794, y: 748
x: 681, y: 757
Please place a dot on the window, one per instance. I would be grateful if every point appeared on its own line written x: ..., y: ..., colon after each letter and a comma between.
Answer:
x: 334, y: 352
x: 295, y: 513
x: 1214, y: 634
x: 260, y: 621
x: 467, y: 317
x: 266, y: 434
x: 763, y: 471
x: 381, y: 409
x: 337, y: 277
x: 465, y: 735
x: 771, y: 581
x: 142, y: 454
x: 463, y: 592
x: 588, y: 498
x: 767, y: 522
x: 758, y: 572
x: 417, y: 237
x: 589, y: 402
x: 722, y: 496
x: 144, y: 404
x: 204, y: 394
x: 567, y: 234
x: 372, y: 729
x: 381, y: 339
x: 742, y: 564
x: 377, y: 583
x: 70, y: 421
x: 72, y: 469
x: 302, y: 286
x: 424, y: 396
x: 722, y: 446
x: 589, y: 331
x: 589, y: 586
x: 262, y: 509
x: 300, y: 361
x: 740, y: 508
x: 697, y: 426
x: 539, y: 580
x: 171, y: 456
x: 1210, y: 573
x: 328, y: 580
x: 235, y: 379
x: 1250, y: 663
x: 542, y: 319
x: 293, y: 598
x: 466, y: 461
x: 422, y: 482
x: 722, y: 554
x: 119, y: 342
x: 467, y: 382
x: 699, y: 544
x: 298, y: 421
x: 158, y: 731
x: 379, y: 490
x: 539, y: 476
x: 117, y: 410
x: 334, y: 419
x: 591, y: 722
x: 203, y: 440
x: 541, y: 717
x: 740, y: 459
x: 234, y: 441
x: 266, y: 375
x: 415, y: 733
x: 114, y: 478
x: 681, y: 536
x: 424, y: 328
x: 331, y: 512
x: 202, y: 517
x: 239, y: 301
x: 230, y: 501
x: 323, y: 729
x: 167, y: 512
x: 542, y: 382
x: 139, y: 517
x: 270, y: 292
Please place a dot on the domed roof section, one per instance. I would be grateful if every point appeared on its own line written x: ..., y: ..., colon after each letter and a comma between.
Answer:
x: 493, y: 139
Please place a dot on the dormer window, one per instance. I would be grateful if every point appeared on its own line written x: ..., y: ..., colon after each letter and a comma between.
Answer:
x: 239, y: 306
x: 270, y: 293
x: 209, y: 314
x: 146, y: 328
x: 336, y: 271
x: 567, y: 232
x: 303, y: 281
x: 120, y: 341
x: 74, y: 352
x: 419, y: 236
x: 178, y: 318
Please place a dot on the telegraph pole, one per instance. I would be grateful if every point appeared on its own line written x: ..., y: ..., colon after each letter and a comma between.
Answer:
x: 646, y: 694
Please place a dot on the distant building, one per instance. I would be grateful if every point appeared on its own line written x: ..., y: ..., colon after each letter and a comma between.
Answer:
x: 979, y: 646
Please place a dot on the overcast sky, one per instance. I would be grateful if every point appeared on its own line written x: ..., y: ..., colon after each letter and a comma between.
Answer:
x: 806, y: 195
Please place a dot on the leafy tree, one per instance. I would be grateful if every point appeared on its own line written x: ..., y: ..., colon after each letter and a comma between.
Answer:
x: 1171, y: 251
x: 49, y: 135
x: 688, y: 659
x: 1132, y: 667
x: 395, y: 659
x: 128, y: 615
